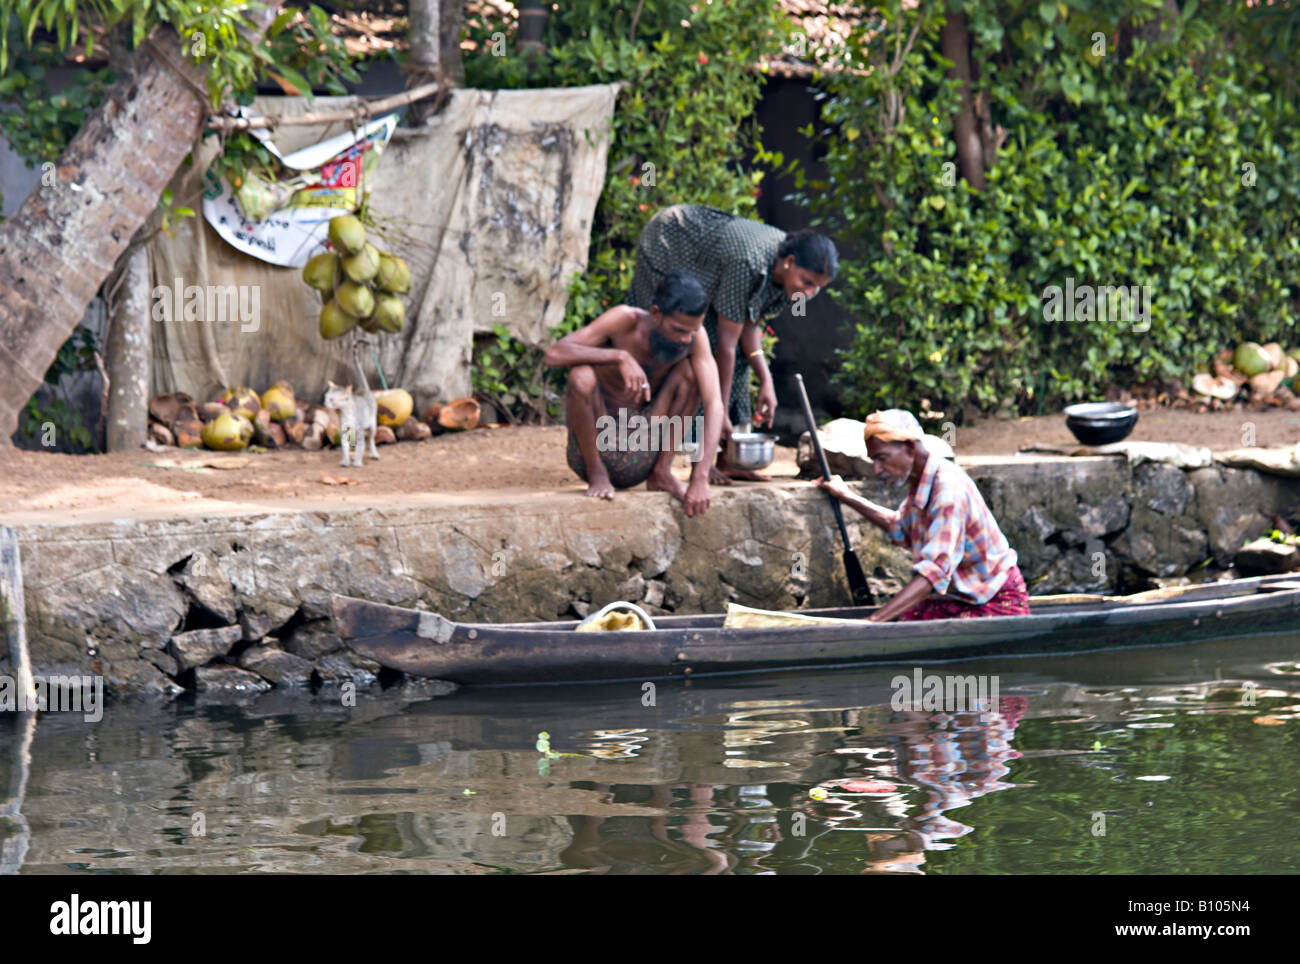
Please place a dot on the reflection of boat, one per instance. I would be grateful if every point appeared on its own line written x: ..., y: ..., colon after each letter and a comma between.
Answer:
x: 426, y: 644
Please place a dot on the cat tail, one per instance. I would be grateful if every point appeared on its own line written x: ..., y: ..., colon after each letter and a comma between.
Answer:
x: 361, y: 371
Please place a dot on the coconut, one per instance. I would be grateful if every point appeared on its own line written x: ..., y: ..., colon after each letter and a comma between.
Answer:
x: 1276, y: 355
x: 322, y: 272
x: 363, y: 265
x: 242, y: 401
x: 413, y: 430
x: 393, y: 276
x: 1292, y: 367
x: 347, y: 234
x: 384, y: 435
x: 1265, y: 384
x: 395, y: 406
x: 356, y: 299
x: 390, y: 313
x: 461, y: 414
x: 229, y: 433
x: 1250, y: 359
x: 1212, y: 387
x: 334, y: 321
x: 279, y: 402
x: 210, y: 410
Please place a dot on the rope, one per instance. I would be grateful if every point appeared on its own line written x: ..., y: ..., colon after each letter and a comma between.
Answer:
x: 379, y: 368
x: 159, y: 54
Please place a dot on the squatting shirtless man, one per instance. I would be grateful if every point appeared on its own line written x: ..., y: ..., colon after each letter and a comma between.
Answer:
x: 631, y: 367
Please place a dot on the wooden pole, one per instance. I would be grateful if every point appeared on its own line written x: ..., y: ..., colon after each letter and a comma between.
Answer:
x: 363, y: 109
x: 13, y: 619
x: 129, y: 351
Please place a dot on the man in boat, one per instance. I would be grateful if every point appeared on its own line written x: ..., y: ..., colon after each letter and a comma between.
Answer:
x: 962, y: 563
x: 637, y: 379
x: 750, y: 271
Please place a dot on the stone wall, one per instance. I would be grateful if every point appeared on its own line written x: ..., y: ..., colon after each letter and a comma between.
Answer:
x: 241, y: 603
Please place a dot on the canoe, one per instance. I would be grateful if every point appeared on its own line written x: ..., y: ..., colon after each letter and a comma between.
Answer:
x: 424, y: 643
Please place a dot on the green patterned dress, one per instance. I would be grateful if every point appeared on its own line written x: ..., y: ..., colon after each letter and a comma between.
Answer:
x: 732, y: 256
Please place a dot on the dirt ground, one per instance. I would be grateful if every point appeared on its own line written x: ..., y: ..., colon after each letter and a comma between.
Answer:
x: 40, y: 486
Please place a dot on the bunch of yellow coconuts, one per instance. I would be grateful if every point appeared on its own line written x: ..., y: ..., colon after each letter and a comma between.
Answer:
x: 358, y: 283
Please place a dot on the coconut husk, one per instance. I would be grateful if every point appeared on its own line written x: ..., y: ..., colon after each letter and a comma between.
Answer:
x: 164, y: 408
x: 431, y: 414
x: 384, y: 436
x: 1262, y: 386
x: 413, y: 430
x: 1225, y: 369
x: 318, y: 415
x: 262, y: 428
x: 188, y: 433
x: 295, y: 430
x: 314, y: 439
x: 161, y: 434
x: 459, y: 415
x: 208, y: 411
x: 276, y: 435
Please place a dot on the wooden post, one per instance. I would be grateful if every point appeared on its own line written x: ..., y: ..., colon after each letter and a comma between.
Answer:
x: 13, y: 619
x: 129, y: 351
x: 13, y: 846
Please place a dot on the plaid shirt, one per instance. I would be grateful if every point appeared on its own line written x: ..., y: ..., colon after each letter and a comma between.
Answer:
x: 955, y: 541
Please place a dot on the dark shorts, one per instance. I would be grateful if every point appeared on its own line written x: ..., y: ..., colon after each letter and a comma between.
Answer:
x: 626, y: 469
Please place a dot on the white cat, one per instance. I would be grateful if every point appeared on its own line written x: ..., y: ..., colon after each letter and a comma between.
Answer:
x: 358, y: 412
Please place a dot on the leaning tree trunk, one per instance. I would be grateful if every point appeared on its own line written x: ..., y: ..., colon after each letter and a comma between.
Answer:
x: 64, y: 240
x: 955, y: 43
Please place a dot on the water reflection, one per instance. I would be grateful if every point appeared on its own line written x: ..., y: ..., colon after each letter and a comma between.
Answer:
x: 1178, y: 750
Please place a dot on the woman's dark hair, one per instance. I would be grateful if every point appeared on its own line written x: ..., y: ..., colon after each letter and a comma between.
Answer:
x: 681, y: 292
x: 811, y: 251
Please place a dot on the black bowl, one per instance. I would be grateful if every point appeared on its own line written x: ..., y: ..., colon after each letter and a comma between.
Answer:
x: 1101, y: 423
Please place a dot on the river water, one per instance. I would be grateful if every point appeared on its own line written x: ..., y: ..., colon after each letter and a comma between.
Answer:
x: 1172, y: 760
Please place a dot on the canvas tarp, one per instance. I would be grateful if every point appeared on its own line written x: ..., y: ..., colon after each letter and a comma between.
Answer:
x: 491, y: 204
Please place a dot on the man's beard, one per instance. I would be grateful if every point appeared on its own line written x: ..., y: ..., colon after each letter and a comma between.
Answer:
x: 665, y: 350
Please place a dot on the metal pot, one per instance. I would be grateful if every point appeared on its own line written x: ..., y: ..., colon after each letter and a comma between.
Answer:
x: 1100, y: 423
x: 751, y: 450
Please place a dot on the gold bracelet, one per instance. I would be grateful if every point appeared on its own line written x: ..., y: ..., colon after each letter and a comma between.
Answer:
x: 756, y: 351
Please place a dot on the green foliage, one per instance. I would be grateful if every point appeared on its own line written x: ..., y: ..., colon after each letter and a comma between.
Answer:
x: 1164, y: 162
x: 514, y: 377
x: 77, y: 354
x: 682, y: 125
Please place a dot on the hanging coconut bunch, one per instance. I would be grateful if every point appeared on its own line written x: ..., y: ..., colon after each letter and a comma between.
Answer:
x: 358, y: 283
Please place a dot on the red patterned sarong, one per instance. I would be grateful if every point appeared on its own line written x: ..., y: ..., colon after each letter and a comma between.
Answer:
x: 1011, y: 600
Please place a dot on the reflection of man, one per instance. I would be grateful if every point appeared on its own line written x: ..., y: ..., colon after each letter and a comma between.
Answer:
x: 962, y: 564
x: 750, y: 270
x: 631, y: 367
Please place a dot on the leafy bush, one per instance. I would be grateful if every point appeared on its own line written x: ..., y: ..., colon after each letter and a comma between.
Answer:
x: 1170, y: 162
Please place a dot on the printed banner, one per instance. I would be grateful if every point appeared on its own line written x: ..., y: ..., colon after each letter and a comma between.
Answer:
x: 285, y: 221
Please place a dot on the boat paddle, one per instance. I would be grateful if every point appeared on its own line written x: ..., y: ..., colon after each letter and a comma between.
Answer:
x: 852, y: 567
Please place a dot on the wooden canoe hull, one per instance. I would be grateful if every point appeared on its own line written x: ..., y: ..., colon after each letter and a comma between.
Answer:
x: 422, y: 643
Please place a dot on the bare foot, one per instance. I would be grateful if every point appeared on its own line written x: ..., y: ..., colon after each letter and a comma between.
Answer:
x: 666, y: 483
x: 729, y: 472
x: 717, y: 476
x: 601, y: 489
x: 746, y: 475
